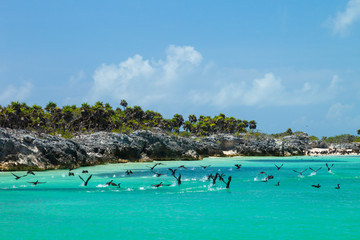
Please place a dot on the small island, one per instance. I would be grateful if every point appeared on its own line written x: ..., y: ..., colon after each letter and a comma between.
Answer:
x: 36, y: 138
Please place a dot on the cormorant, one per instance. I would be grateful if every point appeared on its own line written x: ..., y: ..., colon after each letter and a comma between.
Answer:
x: 85, y: 182
x: 172, y: 171
x: 300, y: 173
x: 204, y: 167
x: 329, y: 168
x: 316, y: 186
x: 37, y: 182
x: 17, y: 177
x: 338, y: 186
x: 279, y: 167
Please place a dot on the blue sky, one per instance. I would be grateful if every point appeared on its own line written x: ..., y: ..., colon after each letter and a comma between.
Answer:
x: 283, y: 63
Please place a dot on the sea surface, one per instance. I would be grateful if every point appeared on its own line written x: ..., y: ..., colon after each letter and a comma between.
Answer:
x: 63, y: 208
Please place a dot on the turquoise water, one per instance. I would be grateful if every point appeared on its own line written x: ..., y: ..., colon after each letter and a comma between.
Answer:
x: 62, y: 208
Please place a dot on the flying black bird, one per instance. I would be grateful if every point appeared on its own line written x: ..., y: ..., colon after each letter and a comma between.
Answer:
x: 37, y: 182
x: 182, y: 166
x: 158, y: 174
x: 238, y: 166
x: 178, y: 179
x: 17, y: 177
x: 30, y: 172
x: 85, y: 182
x: 329, y: 168
x: 338, y: 186
x: 152, y: 168
x: 71, y: 174
x: 172, y: 171
x: 300, y: 173
x: 128, y: 172
x: 315, y: 170
x: 228, y: 182
x: 221, y: 176
x: 279, y: 167
x: 111, y: 183
x: 85, y: 171
x: 204, y: 167
x: 316, y: 186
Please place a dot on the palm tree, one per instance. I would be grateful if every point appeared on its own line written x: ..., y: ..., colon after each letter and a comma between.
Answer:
x: 252, y: 125
x: 124, y: 103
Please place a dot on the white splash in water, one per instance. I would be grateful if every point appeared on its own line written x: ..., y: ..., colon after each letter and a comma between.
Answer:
x: 114, y: 175
x: 101, y: 185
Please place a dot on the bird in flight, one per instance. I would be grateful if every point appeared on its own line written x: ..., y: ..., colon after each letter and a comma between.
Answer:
x: 128, y: 172
x: 158, y: 174
x: 30, y: 172
x: 279, y: 167
x: 37, y: 182
x: 315, y: 171
x: 156, y: 164
x: 300, y: 173
x: 182, y: 166
x: 111, y: 183
x: 178, y: 179
x: 329, y: 167
x: 172, y: 171
x: 204, y: 167
x: 85, y: 182
x: 238, y: 166
x: 17, y: 177
x: 85, y: 171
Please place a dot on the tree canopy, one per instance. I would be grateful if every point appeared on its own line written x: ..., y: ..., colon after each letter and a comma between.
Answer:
x: 71, y: 119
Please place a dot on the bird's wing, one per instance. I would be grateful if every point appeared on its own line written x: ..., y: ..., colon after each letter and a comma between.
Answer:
x: 88, y: 178
x: 319, y: 169
x: 81, y: 178
x: 14, y: 175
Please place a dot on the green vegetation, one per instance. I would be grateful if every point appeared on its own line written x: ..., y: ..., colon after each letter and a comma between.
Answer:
x: 344, y: 138
x: 70, y: 120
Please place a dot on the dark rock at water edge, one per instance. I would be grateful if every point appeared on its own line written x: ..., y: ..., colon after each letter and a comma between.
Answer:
x: 23, y: 149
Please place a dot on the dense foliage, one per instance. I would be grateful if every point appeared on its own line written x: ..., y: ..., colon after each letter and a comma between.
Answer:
x: 70, y: 120
x: 344, y: 138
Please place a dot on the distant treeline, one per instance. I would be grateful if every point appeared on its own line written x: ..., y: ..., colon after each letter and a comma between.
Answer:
x: 70, y: 120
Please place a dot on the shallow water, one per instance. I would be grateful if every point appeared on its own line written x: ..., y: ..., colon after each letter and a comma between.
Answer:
x: 251, y: 209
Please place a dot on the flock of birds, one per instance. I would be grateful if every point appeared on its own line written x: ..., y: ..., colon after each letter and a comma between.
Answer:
x: 211, y: 177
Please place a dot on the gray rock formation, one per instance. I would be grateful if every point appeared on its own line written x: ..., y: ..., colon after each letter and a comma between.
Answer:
x: 22, y: 149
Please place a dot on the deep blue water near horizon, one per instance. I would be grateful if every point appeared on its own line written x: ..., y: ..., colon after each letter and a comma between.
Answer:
x: 251, y: 209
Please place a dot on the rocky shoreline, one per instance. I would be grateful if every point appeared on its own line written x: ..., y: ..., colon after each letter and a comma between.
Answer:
x: 23, y: 149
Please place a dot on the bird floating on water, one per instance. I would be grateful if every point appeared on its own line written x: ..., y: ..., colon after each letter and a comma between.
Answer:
x: 316, y: 186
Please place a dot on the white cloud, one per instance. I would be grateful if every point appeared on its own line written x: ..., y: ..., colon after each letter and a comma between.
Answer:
x: 344, y: 20
x: 266, y: 91
x: 339, y: 111
x: 12, y: 93
x: 143, y: 80
x: 181, y: 80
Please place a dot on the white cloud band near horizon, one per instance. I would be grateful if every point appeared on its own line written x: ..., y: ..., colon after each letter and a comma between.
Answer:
x: 11, y: 93
x: 345, y: 19
x: 182, y: 75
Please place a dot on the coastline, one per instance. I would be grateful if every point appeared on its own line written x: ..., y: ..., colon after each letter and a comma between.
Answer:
x: 26, y: 150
